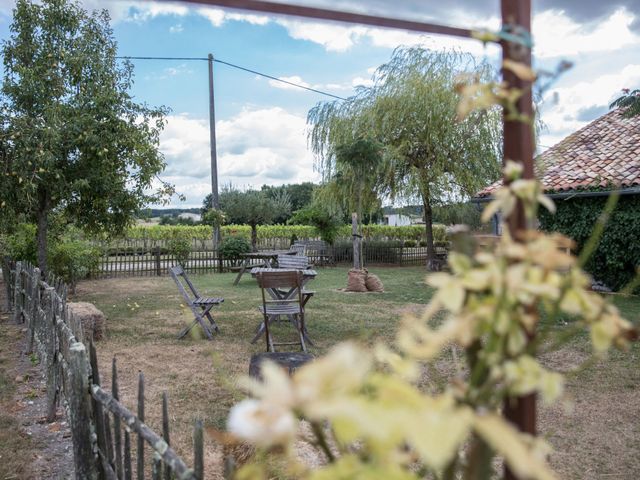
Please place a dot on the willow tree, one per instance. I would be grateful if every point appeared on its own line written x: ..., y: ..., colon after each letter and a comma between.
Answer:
x: 353, y: 186
x: 429, y: 153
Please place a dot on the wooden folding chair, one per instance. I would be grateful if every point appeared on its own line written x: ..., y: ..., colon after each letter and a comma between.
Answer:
x: 299, y: 248
x: 296, y: 262
x: 200, y: 306
x: 274, y: 303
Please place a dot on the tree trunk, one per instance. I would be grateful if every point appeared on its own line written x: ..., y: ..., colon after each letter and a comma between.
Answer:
x: 42, y: 229
x: 254, y: 237
x: 432, y: 264
x: 357, y: 257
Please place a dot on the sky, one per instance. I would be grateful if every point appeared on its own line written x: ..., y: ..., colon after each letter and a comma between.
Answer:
x: 261, y: 124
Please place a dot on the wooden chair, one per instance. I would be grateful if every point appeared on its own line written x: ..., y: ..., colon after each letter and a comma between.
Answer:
x: 200, y: 306
x: 274, y: 303
x: 296, y: 262
x: 299, y: 248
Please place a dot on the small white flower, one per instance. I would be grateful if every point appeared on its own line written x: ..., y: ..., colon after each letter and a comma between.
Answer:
x: 260, y: 423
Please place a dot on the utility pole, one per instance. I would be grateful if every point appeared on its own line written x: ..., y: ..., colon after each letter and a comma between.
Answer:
x: 215, y: 202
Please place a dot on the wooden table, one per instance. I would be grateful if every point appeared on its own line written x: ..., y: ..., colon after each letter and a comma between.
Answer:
x: 275, y: 294
x: 265, y: 258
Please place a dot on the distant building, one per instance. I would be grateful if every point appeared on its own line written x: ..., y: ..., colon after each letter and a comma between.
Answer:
x: 397, y: 220
x: 193, y: 216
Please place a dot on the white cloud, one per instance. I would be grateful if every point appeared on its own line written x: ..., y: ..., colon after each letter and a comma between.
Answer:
x: 217, y: 17
x: 556, y: 34
x: 255, y: 147
x: 214, y: 15
x: 293, y: 79
x: 580, y: 103
x: 249, y: 18
x: 168, y: 72
x: 335, y: 38
x: 363, y: 82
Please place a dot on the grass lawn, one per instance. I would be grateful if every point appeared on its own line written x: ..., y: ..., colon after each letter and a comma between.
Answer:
x: 598, y: 438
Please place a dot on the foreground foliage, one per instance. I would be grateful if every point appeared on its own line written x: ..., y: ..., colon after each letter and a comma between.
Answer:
x: 372, y: 421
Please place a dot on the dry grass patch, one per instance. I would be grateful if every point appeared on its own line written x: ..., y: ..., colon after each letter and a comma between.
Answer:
x: 599, y: 439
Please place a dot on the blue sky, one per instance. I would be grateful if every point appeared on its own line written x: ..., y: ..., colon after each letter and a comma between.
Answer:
x: 261, y: 124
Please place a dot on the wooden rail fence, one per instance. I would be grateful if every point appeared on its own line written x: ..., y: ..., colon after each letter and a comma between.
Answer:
x: 152, y: 258
x: 101, y: 427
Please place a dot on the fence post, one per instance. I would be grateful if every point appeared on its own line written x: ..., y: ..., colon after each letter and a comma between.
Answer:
x: 17, y: 291
x: 8, y: 281
x: 158, y: 269
x: 80, y: 413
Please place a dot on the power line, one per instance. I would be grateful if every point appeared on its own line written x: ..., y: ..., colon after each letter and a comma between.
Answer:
x: 205, y: 59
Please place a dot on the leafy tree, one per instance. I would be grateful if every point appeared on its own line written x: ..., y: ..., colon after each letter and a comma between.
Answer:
x: 252, y: 208
x: 300, y: 194
x: 316, y: 214
x: 630, y: 101
x: 429, y: 153
x: 355, y: 181
x: 72, y: 137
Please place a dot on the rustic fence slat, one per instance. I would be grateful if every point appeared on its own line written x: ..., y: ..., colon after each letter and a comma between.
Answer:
x: 134, y: 424
x: 198, y: 450
x: 156, y: 467
x: 140, y: 459
x: 165, y: 430
x: 108, y: 440
x: 117, y: 434
x: 127, y: 456
x: 97, y: 406
x: 80, y: 413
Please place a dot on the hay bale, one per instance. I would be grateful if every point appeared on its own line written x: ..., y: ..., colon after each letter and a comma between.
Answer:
x: 374, y: 284
x: 92, y: 320
x: 356, y: 281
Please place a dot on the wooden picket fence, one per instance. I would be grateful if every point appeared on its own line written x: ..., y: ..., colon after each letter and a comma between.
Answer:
x: 151, y: 258
x: 101, y: 426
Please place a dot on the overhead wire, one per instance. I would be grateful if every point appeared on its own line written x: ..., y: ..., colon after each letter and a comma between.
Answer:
x: 232, y: 65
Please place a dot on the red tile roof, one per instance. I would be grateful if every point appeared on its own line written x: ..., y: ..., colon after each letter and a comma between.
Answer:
x: 604, y: 153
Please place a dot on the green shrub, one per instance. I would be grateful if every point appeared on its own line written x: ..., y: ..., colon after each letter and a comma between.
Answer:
x: 617, y: 257
x: 180, y: 248
x: 73, y: 258
x: 21, y: 244
x: 232, y: 247
x: 409, y: 243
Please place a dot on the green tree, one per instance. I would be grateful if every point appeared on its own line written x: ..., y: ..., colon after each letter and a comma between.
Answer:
x: 252, y: 208
x: 429, y: 153
x: 300, y: 194
x: 355, y: 182
x: 72, y: 137
x: 630, y: 101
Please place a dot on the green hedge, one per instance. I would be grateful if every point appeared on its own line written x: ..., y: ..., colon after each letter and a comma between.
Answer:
x: 618, y: 256
x: 203, y: 232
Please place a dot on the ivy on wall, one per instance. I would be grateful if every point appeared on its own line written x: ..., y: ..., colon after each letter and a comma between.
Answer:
x: 617, y: 257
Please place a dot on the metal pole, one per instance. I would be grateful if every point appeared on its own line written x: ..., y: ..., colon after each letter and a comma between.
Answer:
x: 519, y: 147
x: 215, y: 203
